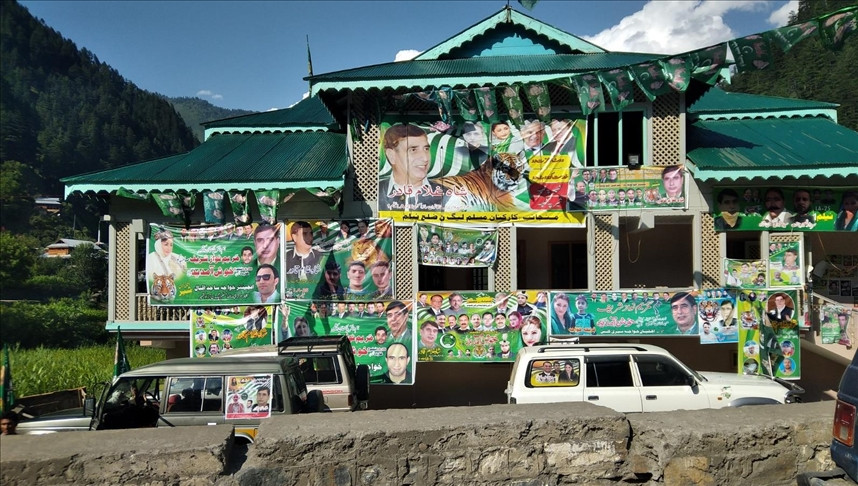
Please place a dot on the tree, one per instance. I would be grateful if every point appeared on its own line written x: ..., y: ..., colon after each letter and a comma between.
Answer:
x: 17, y: 254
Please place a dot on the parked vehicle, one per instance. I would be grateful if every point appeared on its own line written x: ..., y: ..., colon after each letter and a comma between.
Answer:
x: 193, y: 391
x: 633, y: 378
x: 844, y: 451
x: 328, y: 365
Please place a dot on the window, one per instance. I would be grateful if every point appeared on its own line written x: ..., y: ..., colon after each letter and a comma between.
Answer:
x: 554, y: 373
x: 660, y: 371
x: 195, y: 394
x: 644, y: 263
x: 619, y: 135
x: 319, y: 370
x: 611, y: 371
x: 140, y: 250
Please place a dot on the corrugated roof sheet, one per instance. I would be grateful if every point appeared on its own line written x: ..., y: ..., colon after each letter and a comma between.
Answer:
x: 475, y: 70
x: 233, y: 162
x: 307, y: 113
x: 716, y: 100
x: 767, y: 147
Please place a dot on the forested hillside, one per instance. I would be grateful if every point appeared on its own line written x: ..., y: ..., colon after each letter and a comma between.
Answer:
x: 196, y: 111
x: 63, y: 112
x: 809, y: 71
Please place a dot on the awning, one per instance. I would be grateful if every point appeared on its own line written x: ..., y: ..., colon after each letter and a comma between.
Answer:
x: 232, y: 162
x: 770, y: 148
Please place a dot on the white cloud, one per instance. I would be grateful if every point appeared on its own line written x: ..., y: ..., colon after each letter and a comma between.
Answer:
x: 207, y: 93
x: 406, y: 55
x: 204, y: 92
x: 217, y: 97
x: 673, y: 27
x: 780, y: 17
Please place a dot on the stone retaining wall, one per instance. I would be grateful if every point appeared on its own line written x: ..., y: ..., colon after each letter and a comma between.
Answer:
x: 497, y: 444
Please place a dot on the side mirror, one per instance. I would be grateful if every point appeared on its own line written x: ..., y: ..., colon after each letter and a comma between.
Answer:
x: 89, y: 406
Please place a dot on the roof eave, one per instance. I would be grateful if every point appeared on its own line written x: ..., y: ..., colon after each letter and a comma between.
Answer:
x: 99, y: 188
x: 424, y: 82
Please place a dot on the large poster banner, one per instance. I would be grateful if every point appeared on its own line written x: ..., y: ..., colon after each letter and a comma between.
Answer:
x: 619, y: 188
x: 785, y: 264
x: 456, y: 247
x: 624, y: 313
x: 216, y: 329
x: 744, y: 274
x: 479, y: 172
x: 380, y: 333
x: 479, y: 326
x: 215, y: 265
x: 788, y: 209
x: 768, y: 333
x: 750, y: 308
x: 717, y: 317
x: 337, y: 260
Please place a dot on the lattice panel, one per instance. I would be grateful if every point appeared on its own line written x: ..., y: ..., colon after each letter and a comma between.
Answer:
x: 665, y: 130
x: 405, y: 278
x: 124, y: 265
x: 145, y: 312
x: 365, y: 152
x: 775, y: 238
x: 711, y: 254
x: 503, y: 267
x: 603, y: 244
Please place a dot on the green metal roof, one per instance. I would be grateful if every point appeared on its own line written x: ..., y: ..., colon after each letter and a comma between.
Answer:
x: 233, y: 162
x: 507, y: 16
x: 717, y: 101
x: 494, y: 70
x: 772, y: 147
x: 308, y: 114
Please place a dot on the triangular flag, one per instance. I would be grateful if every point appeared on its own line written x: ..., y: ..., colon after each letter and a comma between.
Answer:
x: 514, y: 106
x: 751, y: 53
x: 487, y: 103
x: 835, y: 28
x: 620, y: 87
x: 540, y: 101
x: 651, y: 79
x: 120, y: 359
x: 267, y: 203
x: 787, y: 37
x: 706, y: 63
x: 7, y: 389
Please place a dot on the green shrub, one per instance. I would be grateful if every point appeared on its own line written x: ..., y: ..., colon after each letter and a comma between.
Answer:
x: 44, y: 370
x: 62, y: 323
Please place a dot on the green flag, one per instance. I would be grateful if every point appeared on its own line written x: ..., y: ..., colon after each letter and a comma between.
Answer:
x: 7, y: 390
x: 120, y: 359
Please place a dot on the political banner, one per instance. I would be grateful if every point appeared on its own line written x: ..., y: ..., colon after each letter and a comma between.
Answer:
x: 217, y: 329
x: 380, y: 333
x: 432, y: 171
x: 248, y: 397
x: 478, y: 326
x: 620, y: 188
x: 449, y: 246
x: 744, y: 274
x: 717, y: 317
x: 339, y: 260
x: 786, y: 209
x: 834, y: 327
x: 750, y: 308
x: 785, y: 265
x: 213, y: 265
x: 636, y: 313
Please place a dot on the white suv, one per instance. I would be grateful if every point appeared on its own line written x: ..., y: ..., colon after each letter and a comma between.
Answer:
x: 633, y: 378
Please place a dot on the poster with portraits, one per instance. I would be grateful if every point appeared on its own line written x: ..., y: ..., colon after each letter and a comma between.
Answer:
x: 430, y: 171
x: 786, y: 209
x: 218, y: 329
x: 835, y: 323
x: 479, y: 326
x: 717, y: 316
x: 443, y: 245
x: 750, y: 307
x: 381, y: 333
x: 744, y: 274
x: 339, y: 260
x: 621, y: 188
x: 786, y: 268
x: 213, y: 265
x: 628, y: 313
x: 248, y: 397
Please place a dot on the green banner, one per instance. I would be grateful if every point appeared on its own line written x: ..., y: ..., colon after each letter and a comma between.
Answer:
x: 216, y: 329
x: 380, y: 333
x: 750, y: 310
x: 336, y: 260
x: 744, y: 274
x: 620, y: 188
x: 785, y: 265
x: 788, y: 209
x: 637, y: 313
x: 222, y: 265
x: 477, y: 171
x: 835, y: 324
x: 456, y: 247
x: 479, y: 326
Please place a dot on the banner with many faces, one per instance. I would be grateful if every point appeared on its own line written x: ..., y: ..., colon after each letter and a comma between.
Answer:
x: 786, y: 209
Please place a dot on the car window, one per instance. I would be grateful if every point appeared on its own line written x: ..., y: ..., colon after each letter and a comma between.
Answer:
x: 608, y: 371
x: 660, y: 371
x: 195, y: 394
x: 319, y: 370
x: 553, y: 373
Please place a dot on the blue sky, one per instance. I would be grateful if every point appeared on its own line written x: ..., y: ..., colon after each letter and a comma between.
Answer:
x: 253, y: 55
